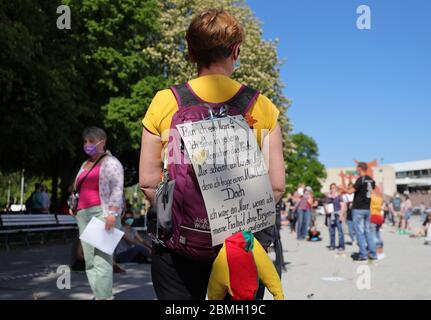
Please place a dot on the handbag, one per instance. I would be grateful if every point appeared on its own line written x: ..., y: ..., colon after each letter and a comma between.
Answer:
x: 72, y: 201
x: 164, y: 200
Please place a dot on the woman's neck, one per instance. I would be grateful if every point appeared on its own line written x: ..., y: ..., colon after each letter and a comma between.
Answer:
x: 95, y: 157
x: 222, y: 69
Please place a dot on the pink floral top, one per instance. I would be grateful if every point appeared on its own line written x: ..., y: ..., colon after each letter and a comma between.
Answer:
x: 111, y: 183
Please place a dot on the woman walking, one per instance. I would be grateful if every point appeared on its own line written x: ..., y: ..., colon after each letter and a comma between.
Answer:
x: 99, y: 183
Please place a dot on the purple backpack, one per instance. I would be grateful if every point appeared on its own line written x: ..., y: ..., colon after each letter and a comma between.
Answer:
x: 190, y: 235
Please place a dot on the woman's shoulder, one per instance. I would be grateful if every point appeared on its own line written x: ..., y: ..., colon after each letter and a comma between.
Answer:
x: 161, y: 109
x: 164, y: 96
x: 264, y: 100
x: 265, y: 112
x: 111, y: 160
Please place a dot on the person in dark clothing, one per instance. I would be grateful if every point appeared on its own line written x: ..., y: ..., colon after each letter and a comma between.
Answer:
x: 361, y: 213
x: 292, y: 213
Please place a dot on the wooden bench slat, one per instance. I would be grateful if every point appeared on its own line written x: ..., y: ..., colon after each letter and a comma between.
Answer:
x: 24, y: 223
x: 33, y: 223
x: 43, y: 229
x: 27, y: 216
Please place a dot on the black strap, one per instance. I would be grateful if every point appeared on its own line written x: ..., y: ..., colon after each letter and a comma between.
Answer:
x: 92, y: 167
x: 242, y: 100
x: 184, y: 96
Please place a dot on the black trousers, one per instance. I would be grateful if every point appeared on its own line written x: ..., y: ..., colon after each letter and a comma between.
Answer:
x: 178, y: 278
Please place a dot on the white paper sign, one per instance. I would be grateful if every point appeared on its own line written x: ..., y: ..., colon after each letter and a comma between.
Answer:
x: 97, y: 236
x: 233, y: 177
x: 330, y: 208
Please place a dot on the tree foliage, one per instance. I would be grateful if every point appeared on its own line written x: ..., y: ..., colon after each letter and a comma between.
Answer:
x: 104, y: 72
x: 55, y: 82
x: 260, y: 64
x: 303, y: 164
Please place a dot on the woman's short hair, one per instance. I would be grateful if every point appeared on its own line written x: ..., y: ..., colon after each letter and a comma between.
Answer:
x: 212, y: 35
x: 94, y: 133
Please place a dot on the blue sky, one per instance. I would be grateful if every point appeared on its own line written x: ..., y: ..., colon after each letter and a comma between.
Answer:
x: 361, y: 94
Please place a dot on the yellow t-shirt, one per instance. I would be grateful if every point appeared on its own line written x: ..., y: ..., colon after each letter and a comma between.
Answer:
x: 211, y: 88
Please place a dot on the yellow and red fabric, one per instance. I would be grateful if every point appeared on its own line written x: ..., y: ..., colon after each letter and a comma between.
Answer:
x: 240, y: 264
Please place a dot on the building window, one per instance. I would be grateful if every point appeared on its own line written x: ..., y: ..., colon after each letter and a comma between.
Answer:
x: 426, y: 173
x: 401, y: 175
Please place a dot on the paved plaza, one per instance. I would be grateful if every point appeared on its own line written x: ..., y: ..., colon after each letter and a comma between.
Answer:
x: 314, y: 272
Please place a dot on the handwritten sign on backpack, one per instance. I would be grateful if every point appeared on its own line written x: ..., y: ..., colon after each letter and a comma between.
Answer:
x: 232, y: 175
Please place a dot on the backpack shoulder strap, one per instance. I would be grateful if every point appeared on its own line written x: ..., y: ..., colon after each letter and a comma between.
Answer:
x: 184, y: 96
x: 244, y: 99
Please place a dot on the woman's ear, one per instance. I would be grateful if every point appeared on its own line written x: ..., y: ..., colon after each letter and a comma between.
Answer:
x: 236, y: 51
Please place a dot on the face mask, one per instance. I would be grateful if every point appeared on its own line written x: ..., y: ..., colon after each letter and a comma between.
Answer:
x: 91, y: 149
x: 129, y: 221
x: 237, y: 64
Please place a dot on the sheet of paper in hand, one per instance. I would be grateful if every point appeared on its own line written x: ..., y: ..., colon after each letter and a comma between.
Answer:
x: 96, y: 235
x: 232, y: 175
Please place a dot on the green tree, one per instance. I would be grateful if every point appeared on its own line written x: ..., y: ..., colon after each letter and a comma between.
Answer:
x: 118, y: 77
x: 303, y: 164
x: 260, y: 68
x: 55, y: 82
x: 104, y: 71
x: 40, y: 109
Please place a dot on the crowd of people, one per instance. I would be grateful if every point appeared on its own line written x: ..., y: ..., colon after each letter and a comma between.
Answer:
x: 358, y: 210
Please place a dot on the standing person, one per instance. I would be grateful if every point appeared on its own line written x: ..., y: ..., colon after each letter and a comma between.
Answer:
x: 293, y: 199
x: 395, y: 210
x: 362, y: 189
x: 314, y: 212
x: 283, y: 210
x: 406, y: 214
x: 181, y: 270
x: 100, y: 181
x: 46, y: 202
x: 303, y: 209
x: 334, y: 217
x: 426, y: 227
x: 423, y: 212
x: 348, y: 200
x: 377, y: 220
x: 386, y: 211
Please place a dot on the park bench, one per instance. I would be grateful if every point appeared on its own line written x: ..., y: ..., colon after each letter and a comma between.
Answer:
x: 29, y: 224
